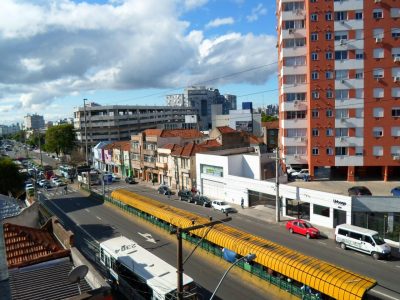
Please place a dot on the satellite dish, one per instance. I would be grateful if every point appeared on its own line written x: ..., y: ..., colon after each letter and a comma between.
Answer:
x: 77, y: 274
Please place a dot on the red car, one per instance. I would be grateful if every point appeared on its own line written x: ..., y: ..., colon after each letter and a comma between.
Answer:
x: 302, y: 227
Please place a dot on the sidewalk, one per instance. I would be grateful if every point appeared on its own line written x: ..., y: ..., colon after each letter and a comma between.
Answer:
x: 259, y: 212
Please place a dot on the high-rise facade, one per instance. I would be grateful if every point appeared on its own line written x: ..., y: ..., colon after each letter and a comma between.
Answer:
x: 33, y: 122
x: 339, y: 86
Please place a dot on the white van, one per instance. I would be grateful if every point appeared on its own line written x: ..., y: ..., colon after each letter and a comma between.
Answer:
x: 361, y: 239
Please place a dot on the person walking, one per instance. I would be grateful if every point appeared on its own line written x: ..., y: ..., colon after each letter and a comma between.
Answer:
x: 242, y: 203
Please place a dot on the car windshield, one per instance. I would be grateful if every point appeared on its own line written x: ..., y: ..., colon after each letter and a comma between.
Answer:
x: 378, y: 239
x: 307, y: 225
x: 223, y: 203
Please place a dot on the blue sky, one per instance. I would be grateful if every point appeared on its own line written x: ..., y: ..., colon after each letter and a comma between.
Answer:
x: 55, y: 53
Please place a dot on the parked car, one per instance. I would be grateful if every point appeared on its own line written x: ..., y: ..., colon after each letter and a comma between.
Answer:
x: 43, y: 182
x: 396, y: 191
x: 201, y: 200
x: 302, y: 227
x: 290, y: 170
x: 164, y: 190
x: 185, y: 195
x: 300, y: 174
x: 29, y: 186
x: 57, y: 182
x: 359, y: 191
x: 115, y: 178
x: 222, y: 206
x: 130, y: 180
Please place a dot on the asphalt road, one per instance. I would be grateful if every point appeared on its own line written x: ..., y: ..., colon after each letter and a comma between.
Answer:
x: 102, y: 221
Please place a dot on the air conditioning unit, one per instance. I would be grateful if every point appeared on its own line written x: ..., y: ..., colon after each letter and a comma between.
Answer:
x: 303, y: 139
x: 298, y: 12
x: 342, y: 81
x: 396, y: 157
x: 396, y: 79
x: 342, y: 42
x: 291, y: 30
x: 342, y: 22
x: 343, y: 120
x: 296, y: 102
x: 296, y: 156
x: 378, y: 40
x: 342, y: 139
x: 396, y: 59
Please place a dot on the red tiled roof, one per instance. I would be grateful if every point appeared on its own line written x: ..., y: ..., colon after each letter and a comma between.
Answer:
x: 156, y: 132
x: 183, y: 133
x: 26, y: 246
x: 254, y: 139
x: 270, y: 125
x: 226, y: 129
x: 210, y: 143
x: 171, y: 146
x: 124, y: 145
x: 189, y: 150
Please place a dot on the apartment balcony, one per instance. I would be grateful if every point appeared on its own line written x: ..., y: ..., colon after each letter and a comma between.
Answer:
x: 349, y: 44
x: 297, y: 14
x: 296, y: 159
x: 349, y: 122
x: 293, y: 33
x: 346, y: 64
x: 347, y: 25
x: 294, y: 88
x: 349, y: 160
x: 294, y: 51
x: 161, y: 165
x: 349, y: 103
x: 348, y: 5
x: 293, y: 105
x: 149, y: 164
x: 294, y: 70
x: 294, y: 141
x: 152, y: 139
x: 149, y: 152
x: 135, y: 150
x: 295, y: 123
x: 344, y: 84
x: 136, y: 164
x: 349, y: 141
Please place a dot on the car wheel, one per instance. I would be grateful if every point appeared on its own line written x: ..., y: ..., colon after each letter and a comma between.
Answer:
x: 291, y: 230
x: 308, y: 235
x: 343, y: 246
x: 223, y: 211
x: 375, y: 255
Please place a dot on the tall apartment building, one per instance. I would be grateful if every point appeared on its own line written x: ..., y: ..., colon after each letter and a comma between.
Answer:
x: 202, y: 98
x: 33, y: 122
x: 339, y: 80
x: 119, y: 122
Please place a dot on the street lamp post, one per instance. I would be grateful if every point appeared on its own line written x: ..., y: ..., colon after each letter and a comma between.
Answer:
x: 86, y: 141
x: 277, y: 206
x: 250, y: 257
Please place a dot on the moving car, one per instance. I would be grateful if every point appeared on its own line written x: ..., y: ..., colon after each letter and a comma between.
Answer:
x: 164, y: 190
x: 57, y: 182
x: 362, y: 239
x: 130, y: 180
x: 302, y: 227
x: 359, y: 191
x: 201, y: 200
x: 43, y: 182
x: 185, y: 195
x: 222, y: 206
x: 300, y: 174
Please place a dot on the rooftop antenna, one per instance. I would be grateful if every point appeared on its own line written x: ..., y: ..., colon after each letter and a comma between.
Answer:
x: 77, y: 274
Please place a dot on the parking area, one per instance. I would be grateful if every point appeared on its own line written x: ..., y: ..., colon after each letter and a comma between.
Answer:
x: 378, y: 188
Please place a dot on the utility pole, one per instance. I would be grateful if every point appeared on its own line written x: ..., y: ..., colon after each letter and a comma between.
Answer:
x: 86, y: 141
x: 277, y: 204
x: 179, y: 232
x: 40, y: 151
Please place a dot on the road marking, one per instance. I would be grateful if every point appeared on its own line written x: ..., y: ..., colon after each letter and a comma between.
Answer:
x: 98, y: 218
x: 397, y: 266
x: 323, y: 243
x: 148, y: 237
x: 87, y: 210
x: 386, y: 295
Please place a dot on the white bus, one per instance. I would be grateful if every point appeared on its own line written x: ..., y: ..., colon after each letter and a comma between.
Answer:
x: 139, y: 274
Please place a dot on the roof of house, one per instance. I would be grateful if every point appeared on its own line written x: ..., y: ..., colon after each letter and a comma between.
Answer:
x: 26, y: 246
x: 226, y: 129
x: 172, y: 147
x: 189, y: 150
x: 48, y: 280
x: 270, y: 125
x: 124, y: 145
x: 9, y: 207
x: 210, y: 143
x: 156, y: 132
x: 255, y: 140
x: 183, y: 133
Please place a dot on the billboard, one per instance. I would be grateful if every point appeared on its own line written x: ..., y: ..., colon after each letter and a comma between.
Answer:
x: 191, y: 119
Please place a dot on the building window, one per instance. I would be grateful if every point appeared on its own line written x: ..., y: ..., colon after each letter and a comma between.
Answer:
x: 329, y: 132
x: 315, y: 132
x: 321, y: 210
x: 359, y: 74
x: 378, y: 93
x: 329, y: 75
x: 379, y: 53
x: 377, y: 131
x: 377, y: 150
x: 396, y: 112
x: 340, y: 16
x: 328, y: 36
x: 328, y: 16
x: 395, y: 33
x: 289, y: 97
x: 329, y: 94
x: 359, y: 54
x: 329, y: 151
x: 329, y: 113
x: 315, y: 151
x: 342, y: 74
x: 314, y: 56
x: 315, y: 113
x: 378, y: 73
x: 378, y: 112
x: 359, y: 151
x: 396, y: 92
x: 395, y: 131
x: 314, y: 36
x: 378, y: 33
x: 340, y: 151
x: 341, y: 35
x: 342, y: 113
x: 314, y: 17
x: 395, y: 12
x: 342, y: 94
x: 340, y: 55
x: 342, y: 132
x: 315, y: 95
x: 359, y: 15
x: 329, y: 55
x: 377, y: 14
x: 314, y: 75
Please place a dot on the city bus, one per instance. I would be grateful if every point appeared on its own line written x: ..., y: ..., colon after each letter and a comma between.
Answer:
x: 139, y: 274
x: 67, y: 171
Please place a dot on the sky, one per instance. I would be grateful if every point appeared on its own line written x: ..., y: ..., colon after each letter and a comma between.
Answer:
x: 55, y: 53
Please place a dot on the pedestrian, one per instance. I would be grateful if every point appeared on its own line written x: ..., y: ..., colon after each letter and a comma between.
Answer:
x: 65, y: 190
x: 242, y: 203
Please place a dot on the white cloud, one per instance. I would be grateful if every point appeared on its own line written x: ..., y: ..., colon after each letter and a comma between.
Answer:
x: 220, y: 22
x: 256, y: 12
x: 60, y: 48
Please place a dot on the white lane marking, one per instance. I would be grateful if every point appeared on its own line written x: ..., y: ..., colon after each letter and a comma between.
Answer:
x: 386, y: 295
x: 397, y: 266
x: 148, y: 237
x: 98, y: 218
x: 323, y: 243
x: 87, y: 210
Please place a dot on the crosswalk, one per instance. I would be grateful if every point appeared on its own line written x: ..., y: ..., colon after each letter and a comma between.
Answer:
x: 58, y: 191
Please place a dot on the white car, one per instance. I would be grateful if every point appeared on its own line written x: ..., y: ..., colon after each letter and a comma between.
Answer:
x: 290, y: 170
x: 221, y: 205
x: 301, y: 173
x: 29, y: 186
x: 57, y: 182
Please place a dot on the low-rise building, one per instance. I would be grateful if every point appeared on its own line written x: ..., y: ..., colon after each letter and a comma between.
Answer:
x: 270, y: 132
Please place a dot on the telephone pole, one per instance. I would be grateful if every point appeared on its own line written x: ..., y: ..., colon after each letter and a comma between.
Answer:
x: 277, y: 202
x: 180, y: 263
x: 86, y: 141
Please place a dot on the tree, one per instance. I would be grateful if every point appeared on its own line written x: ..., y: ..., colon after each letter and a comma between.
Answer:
x: 60, y: 139
x: 13, y: 181
x: 18, y: 136
x: 266, y: 118
x: 34, y: 139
